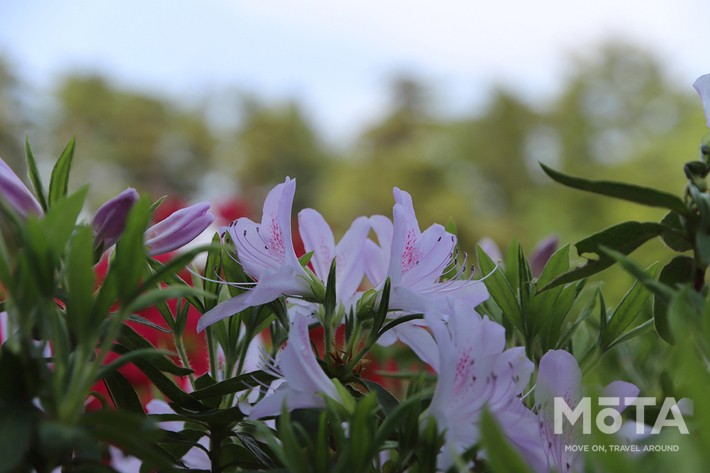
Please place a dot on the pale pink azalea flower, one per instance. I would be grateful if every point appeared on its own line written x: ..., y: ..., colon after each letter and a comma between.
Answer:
x: 415, y: 261
x: 265, y: 251
x: 303, y: 383
x: 702, y: 87
x: 4, y: 335
x: 559, y: 375
x: 348, y: 253
x: 476, y: 372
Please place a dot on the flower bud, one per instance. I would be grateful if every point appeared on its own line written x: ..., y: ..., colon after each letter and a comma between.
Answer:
x: 542, y: 253
x: 178, y: 229
x: 110, y: 219
x: 14, y: 191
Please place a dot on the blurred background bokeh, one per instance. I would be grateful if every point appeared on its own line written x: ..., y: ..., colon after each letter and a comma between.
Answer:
x: 455, y: 102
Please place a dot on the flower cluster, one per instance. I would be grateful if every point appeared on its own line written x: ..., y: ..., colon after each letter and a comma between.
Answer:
x: 468, y: 352
x: 486, y: 358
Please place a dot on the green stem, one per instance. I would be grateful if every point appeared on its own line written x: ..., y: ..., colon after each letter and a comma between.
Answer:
x: 180, y: 347
x: 212, y: 353
x: 354, y: 336
x: 216, y: 437
x: 248, y: 335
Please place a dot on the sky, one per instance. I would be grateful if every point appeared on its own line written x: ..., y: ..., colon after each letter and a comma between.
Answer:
x: 336, y: 57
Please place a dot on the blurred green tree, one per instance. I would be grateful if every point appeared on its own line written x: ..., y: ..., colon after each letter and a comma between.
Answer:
x: 13, y: 117
x: 133, y: 137
x: 274, y: 141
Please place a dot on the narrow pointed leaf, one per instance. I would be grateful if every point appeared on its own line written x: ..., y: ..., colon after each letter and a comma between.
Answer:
x: 234, y: 385
x: 81, y: 279
x: 122, y: 392
x: 35, y: 178
x: 500, y: 289
x: 680, y: 270
x: 59, y: 182
x: 628, y: 310
x: 213, y: 267
x: 623, y: 238
x: 630, y: 192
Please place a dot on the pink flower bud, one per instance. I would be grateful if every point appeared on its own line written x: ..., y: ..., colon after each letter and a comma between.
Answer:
x: 110, y: 219
x: 178, y: 229
x: 14, y: 191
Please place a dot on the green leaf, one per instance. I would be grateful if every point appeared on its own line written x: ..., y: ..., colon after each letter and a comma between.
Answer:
x: 174, y: 279
x: 681, y: 270
x: 250, y: 443
x: 130, y: 340
x: 129, y: 357
x: 551, y: 325
x: 627, y: 311
x: 16, y: 434
x: 5, y: 271
x: 408, y: 406
x: 212, y: 416
x: 213, y: 266
x: 143, y: 321
x: 584, y: 315
x: 233, y: 271
x: 603, y: 314
x: 130, y: 255
x: 59, y: 221
x: 384, y: 397
x: 234, y: 385
x: 557, y: 264
x: 543, y: 305
x: 381, y: 313
x: 633, y: 333
x: 675, y: 239
x: 362, y: 431
x: 122, y: 392
x: 156, y: 296
x: 292, y: 455
x: 134, y: 434
x: 398, y: 321
x: 321, y: 453
x: 33, y: 172
x: 154, y: 206
x: 167, y: 386
x: 306, y: 258
x: 500, y: 289
x: 80, y: 284
x: 59, y: 182
x: 658, y: 288
x: 164, y: 271
x: 502, y: 457
x: 623, y: 238
x: 619, y: 190
x: 330, y: 300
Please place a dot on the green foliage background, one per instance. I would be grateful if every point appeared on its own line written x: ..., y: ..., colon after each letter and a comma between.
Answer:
x: 618, y: 115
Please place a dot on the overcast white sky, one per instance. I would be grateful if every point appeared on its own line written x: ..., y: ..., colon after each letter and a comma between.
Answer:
x: 335, y: 55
